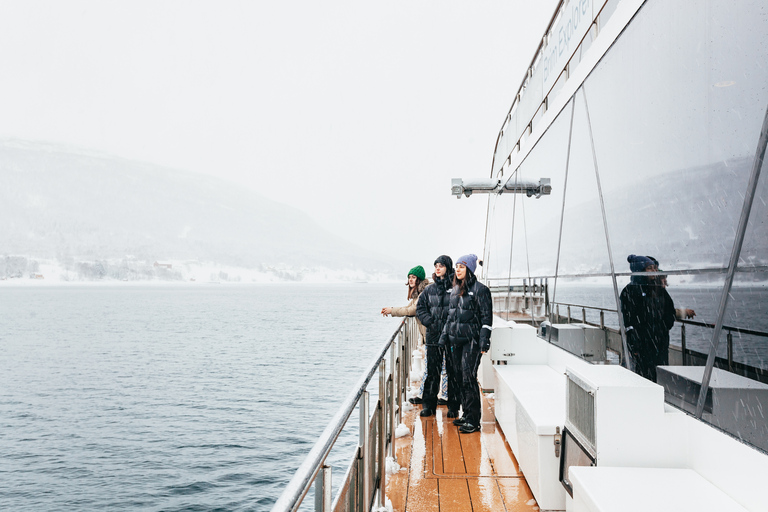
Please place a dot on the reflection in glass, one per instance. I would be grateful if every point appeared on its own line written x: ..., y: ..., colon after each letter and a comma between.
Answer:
x: 538, y: 222
x: 748, y: 299
x: 587, y: 297
x: 754, y: 251
x: 675, y: 132
x: 496, y: 266
x: 583, y: 247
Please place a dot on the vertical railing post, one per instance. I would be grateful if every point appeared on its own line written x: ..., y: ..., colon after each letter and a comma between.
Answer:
x: 602, y: 319
x: 569, y: 314
x: 393, y: 384
x: 682, y: 344
x: 583, y: 315
x: 364, y: 486
x: 557, y: 313
x: 525, y: 287
x: 382, y: 456
x: 323, y: 488
x: 407, y: 344
x: 730, y: 350
x: 405, y: 371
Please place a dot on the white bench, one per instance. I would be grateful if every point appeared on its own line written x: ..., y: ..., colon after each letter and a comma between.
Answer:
x: 622, y: 489
x: 530, y: 407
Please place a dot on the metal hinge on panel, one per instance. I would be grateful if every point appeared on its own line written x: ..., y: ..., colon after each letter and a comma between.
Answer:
x: 558, y: 440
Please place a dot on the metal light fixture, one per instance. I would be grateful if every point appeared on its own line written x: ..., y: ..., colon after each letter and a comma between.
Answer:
x: 494, y: 186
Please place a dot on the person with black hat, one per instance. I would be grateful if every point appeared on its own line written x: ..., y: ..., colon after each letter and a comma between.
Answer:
x: 467, y: 336
x: 432, y: 311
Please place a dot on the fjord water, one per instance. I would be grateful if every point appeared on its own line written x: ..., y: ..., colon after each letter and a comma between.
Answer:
x: 196, y: 397
x: 202, y: 397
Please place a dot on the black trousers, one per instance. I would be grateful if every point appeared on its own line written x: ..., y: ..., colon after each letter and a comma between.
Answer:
x: 453, y: 372
x: 435, y: 355
x: 467, y: 357
x: 645, y: 364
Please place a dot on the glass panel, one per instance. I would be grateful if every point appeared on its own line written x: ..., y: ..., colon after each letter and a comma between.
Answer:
x: 583, y: 247
x: 557, y: 87
x: 748, y: 301
x: 676, y: 125
x: 496, y: 262
x: 488, y: 249
x: 587, y: 299
x: 748, y: 311
x: 743, y: 344
x: 537, y: 221
x: 607, y: 11
x: 738, y: 401
x: 754, y: 251
x: 700, y: 295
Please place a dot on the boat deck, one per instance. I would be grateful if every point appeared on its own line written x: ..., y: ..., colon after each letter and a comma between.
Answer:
x: 443, y: 470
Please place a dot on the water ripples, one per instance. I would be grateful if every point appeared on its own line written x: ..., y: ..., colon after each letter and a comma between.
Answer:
x: 175, y: 398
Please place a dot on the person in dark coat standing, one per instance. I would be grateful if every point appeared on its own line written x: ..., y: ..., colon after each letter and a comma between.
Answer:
x: 649, y: 313
x: 467, y: 336
x: 432, y: 311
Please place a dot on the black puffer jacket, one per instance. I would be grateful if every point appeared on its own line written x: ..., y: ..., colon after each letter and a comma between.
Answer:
x: 649, y: 314
x: 432, y: 308
x: 468, y: 314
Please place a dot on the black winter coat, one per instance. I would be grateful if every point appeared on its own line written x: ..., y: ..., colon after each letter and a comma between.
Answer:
x: 432, y: 308
x: 649, y: 314
x: 468, y: 314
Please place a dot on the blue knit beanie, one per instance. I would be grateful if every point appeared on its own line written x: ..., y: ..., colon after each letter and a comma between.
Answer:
x: 639, y: 263
x: 469, y: 261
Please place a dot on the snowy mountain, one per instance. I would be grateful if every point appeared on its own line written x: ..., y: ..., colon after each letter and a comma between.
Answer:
x: 686, y: 218
x: 75, y: 209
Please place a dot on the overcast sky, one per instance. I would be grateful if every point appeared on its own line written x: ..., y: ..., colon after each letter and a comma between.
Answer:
x: 356, y: 112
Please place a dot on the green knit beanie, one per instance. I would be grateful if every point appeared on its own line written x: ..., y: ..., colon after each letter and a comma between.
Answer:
x: 418, y: 271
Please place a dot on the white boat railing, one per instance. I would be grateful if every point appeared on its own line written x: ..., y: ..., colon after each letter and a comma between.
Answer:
x: 365, y: 480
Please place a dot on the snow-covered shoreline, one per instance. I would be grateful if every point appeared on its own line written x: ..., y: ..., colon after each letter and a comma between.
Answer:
x: 128, y: 272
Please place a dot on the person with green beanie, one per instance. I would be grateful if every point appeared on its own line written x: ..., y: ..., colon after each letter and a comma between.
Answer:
x: 417, y: 281
x: 418, y: 271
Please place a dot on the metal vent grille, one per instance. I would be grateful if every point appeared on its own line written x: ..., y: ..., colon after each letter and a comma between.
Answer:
x: 581, y: 414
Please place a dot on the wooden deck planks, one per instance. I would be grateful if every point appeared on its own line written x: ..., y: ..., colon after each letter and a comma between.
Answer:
x: 517, y: 495
x: 397, y: 484
x: 434, y: 458
x: 485, y: 495
x: 423, y: 497
x: 453, y: 456
x: 450, y: 471
x: 500, y: 454
x: 454, y: 495
x: 475, y: 458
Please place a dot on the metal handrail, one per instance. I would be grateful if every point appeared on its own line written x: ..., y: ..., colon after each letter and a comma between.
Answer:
x: 725, y: 327
x: 583, y: 307
x: 696, y: 323
x: 751, y: 269
x: 301, y: 482
x: 733, y: 366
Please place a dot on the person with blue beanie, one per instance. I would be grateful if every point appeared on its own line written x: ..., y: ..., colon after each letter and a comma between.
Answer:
x: 467, y: 336
x: 648, y: 313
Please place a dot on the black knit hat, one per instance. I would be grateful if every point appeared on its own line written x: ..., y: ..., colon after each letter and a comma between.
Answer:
x: 445, y: 260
